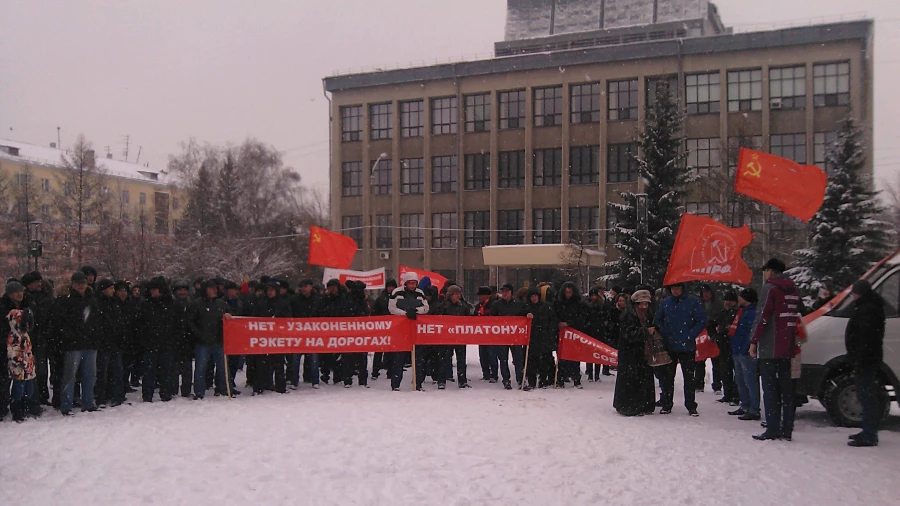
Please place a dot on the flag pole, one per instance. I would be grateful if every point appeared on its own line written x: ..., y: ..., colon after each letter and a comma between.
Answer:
x: 414, y: 367
x: 556, y: 374
x: 227, y: 376
x: 525, y: 369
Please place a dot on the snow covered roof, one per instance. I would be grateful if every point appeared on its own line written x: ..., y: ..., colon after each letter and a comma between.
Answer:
x: 48, y: 156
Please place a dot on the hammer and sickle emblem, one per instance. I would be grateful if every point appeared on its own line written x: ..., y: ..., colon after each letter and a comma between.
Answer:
x: 754, y: 169
x: 317, y: 238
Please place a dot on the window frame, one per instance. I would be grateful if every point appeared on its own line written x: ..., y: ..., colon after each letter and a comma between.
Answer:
x: 504, y: 179
x: 744, y: 90
x: 412, y: 232
x: 837, y: 98
x: 478, y: 171
x: 710, y: 105
x: 444, y: 115
x: 777, y: 84
x: 593, y: 99
x: 382, y: 182
x: 412, y: 122
x: 444, y: 234
x: 382, y: 114
x: 548, y: 104
x: 444, y: 174
x: 507, y: 101
x: 626, y: 151
x: 577, y: 175
x: 478, y: 104
x: 349, y: 186
x: 615, y: 98
x: 507, y: 232
x: 779, y: 148
x: 540, y: 175
x: 384, y: 231
x: 408, y: 168
x: 589, y: 226
x: 702, y: 150
x: 348, y: 119
x: 352, y: 226
x: 476, y: 229
x: 544, y: 232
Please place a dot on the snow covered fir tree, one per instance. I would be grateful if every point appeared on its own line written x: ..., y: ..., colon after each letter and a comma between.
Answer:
x: 845, y: 236
x: 661, y: 164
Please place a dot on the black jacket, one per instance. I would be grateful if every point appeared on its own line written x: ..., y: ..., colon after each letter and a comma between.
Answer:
x: 504, y: 308
x: 333, y: 306
x: 596, y: 318
x: 185, y: 348
x: 571, y: 310
x: 633, y: 335
x: 277, y: 307
x: 205, y: 320
x: 75, y: 322
x: 864, y: 337
x: 380, y: 308
x: 449, y: 309
x: 112, y: 324
x: 41, y: 305
x: 544, y: 326
x: 305, y: 307
x: 157, y: 325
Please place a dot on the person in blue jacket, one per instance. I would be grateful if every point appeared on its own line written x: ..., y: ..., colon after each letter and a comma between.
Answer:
x: 745, y: 371
x: 680, y: 318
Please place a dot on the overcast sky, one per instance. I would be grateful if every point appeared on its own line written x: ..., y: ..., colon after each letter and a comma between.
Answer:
x: 222, y: 70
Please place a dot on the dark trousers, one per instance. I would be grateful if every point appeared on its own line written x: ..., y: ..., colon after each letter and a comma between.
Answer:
x: 293, y: 372
x: 501, y: 354
x: 778, y: 395
x: 110, y: 377
x: 488, y: 362
x: 57, y: 366
x: 460, y: 351
x: 328, y: 363
x: 398, y: 360
x: 723, y: 368
x: 266, y: 366
x: 184, y: 370
x: 4, y: 389
x: 667, y: 379
x: 569, y: 369
x: 869, y: 393
x: 540, y: 367
x: 379, y: 362
x: 355, y: 363
x: 133, y: 367
x: 165, y: 362
x: 43, y: 374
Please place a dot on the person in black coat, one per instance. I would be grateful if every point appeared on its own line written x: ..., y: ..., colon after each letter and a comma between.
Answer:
x: 157, y: 326
x: 864, y: 340
x: 596, y: 309
x: 509, y: 306
x: 571, y: 313
x: 110, y: 373
x: 75, y: 323
x: 273, y: 305
x: 380, y: 308
x: 453, y: 305
x: 304, y: 305
x: 356, y: 363
x: 487, y: 360
x: 184, y: 352
x: 39, y: 298
x: 544, y: 341
x: 205, y: 322
x: 635, y: 390
x: 332, y: 304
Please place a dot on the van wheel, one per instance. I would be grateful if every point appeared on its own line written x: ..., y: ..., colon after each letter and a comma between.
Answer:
x: 842, y: 405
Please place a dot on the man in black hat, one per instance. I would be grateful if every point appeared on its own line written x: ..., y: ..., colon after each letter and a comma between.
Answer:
x: 110, y: 372
x: 205, y: 321
x: 864, y: 339
x: 723, y: 365
x: 304, y: 305
x: 486, y: 357
x: 380, y: 308
x: 508, y: 306
x: 40, y: 302
x: 76, y: 319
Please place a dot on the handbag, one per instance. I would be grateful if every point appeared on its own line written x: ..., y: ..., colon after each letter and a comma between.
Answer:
x: 655, y: 351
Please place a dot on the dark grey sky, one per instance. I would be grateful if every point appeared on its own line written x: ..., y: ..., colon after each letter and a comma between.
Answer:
x: 222, y: 70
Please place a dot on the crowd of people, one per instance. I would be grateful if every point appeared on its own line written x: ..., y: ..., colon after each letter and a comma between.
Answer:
x: 91, y: 342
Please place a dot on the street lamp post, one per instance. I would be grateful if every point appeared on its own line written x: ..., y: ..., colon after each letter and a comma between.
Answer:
x: 367, y: 207
x: 35, y: 246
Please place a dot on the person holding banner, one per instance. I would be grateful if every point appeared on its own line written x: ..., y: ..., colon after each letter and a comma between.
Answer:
x: 681, y: 319
x: 635, y: 390
x: 571, y: 313
x: 544, y: 338
x: 356, y: 363
x: 407, y: 301
x: 304, y: 305
x: 453, y: 305
x: 273, y: 305
x: 205, y: 320
x: 486, y: 358
x: 509, y: 306
x: 380, y: 308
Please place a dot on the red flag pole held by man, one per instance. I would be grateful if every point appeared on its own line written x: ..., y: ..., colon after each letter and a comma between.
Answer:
x: 709, y: 251
x: 330, y: 249
x: 798, y: 190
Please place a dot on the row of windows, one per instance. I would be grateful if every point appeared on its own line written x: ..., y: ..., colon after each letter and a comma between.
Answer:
x: 787, y: 90
x: 584, y: 168
x: 584, y: 223
x: 22, y: 181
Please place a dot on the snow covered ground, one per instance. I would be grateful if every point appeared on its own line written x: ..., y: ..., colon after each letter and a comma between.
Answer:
x: 478, y: 446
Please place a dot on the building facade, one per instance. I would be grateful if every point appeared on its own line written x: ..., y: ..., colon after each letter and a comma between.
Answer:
x: 430, y: 164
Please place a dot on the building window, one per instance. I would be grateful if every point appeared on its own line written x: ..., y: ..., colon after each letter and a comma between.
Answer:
x: 704, y: 155
x: 175, y: 203
x: 412, y: 235
x: 352, y: 226
x: 412, y: 119
x: 474, y: 279
x: 512, y: 169
x: 822, y: 144
x: 702, y: 91
x: 126, y: 197
x: 612, y: 220
x: 744, y: 90
x: 547, y: 226
x: 478, y: 113
x: 22, y: 179
x: 381, y: 177
x: 584, y: 165
x: 443, y: 115
x: 443, y: 230
x: 478, y: 171
x: 477, y: 229
x: 512, y: 109
x: 511, y: 227
x: 584, y: 223
x: 735, y: 144
x: 548, y: 167
x: 351, y: 123
x: 444, y: 174
x: 784, y: 228
x: 621, y: 165
x: 586, y: 103
x: 351, y: 179
x: 670, y: 84
x: 412, y: 176
x: 831, y: 84
x: 699, y: 208
x: 790, y: 146
x: 384, y: 231
x: 45, y: 211
x: 143, y: 198
x: 787, y: 88
x: 623, y: 99
x: 548, y: 106
x: 379, y: 121
x: 45, y: 185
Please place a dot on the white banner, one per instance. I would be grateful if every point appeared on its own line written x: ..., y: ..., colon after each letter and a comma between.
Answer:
x: 374, y: 279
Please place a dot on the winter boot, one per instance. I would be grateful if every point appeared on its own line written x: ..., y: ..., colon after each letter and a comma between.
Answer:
x: 18, y: 411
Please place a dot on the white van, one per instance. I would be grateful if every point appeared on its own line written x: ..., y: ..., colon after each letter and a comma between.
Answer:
x: 826, y: 373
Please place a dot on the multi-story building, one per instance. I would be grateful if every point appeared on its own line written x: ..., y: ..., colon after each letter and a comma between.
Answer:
x: 429, y: 164
x: 143, y: 198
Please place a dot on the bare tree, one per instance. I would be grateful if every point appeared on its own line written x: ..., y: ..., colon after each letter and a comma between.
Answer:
x: 891, y: 196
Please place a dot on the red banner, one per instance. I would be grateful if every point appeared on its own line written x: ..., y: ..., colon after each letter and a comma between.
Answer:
x: 580, y: 347
x: 706, y: 348
x: 798, y: 190
x: 709, y: 251
x: 259, y: 336
x: 484, y: 330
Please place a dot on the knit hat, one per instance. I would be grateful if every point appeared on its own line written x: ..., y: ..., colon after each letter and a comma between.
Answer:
x: 104, y: 284
x: 507, y: 286
x: 641, y: 296
x: 332, y: 282
x: 730, y: 295
x: 452, y: 289
x: 31, y: 277
x: 774, y: 264
x: 861, y: 287
x: 79, y: 277
x: 181, y: 283
x: 14, y: 286
x: 121, y: 285
x: 485, y: 290
x: 749, y: 295
x: 409, y: 276
x: 88, y: 270
x: 306, y: 282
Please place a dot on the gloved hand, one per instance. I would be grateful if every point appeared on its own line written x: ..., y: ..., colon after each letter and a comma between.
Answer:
x: 411, y: 313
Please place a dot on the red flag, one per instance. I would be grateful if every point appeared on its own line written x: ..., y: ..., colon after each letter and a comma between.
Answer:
x: 706, y: 347
x: 709, y: 251
x: 330, y: 249
x: 577, y: 346
x: 436, y: 279
x: 798, y: 190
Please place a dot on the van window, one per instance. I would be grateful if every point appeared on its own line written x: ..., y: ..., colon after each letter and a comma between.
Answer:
x: 889, y: 290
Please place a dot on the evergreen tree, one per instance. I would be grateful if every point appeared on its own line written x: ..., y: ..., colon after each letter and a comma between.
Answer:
x: 661, y: 163
x: 228, y: 197
x: 845, y: 236
x: 200, y: 218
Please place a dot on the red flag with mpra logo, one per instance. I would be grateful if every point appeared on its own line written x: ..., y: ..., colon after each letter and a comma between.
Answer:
x: 261, y: 336
x: 577, y: 346
x: 798, y: 190
x: 482, y: 330
x: 706, y: 250
x: 706, y: 347
x: 330, y: 249
x: 436, y: 279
